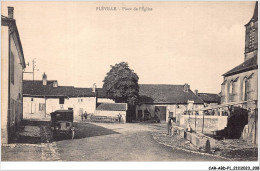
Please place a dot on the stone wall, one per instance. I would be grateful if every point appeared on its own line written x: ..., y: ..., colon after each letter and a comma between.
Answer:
x: 211, y: 123
x: 250, y: 132
x: 111, y: 114
x: 239, y: 90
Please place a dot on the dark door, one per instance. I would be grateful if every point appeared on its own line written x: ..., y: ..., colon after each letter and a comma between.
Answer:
x: 161, y: 112
x: 140, y: 114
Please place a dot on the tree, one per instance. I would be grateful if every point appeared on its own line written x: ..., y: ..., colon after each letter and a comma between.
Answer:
x: 121, y: 84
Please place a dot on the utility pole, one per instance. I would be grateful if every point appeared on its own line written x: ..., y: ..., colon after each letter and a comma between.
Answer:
x: 33, y: 68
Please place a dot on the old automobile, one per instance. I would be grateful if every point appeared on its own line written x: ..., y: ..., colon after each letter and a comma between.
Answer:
x: 62, y: 123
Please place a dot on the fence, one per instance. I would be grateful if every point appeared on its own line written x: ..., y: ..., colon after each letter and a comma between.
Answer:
x: 210, y: 119
x: 106, y: 119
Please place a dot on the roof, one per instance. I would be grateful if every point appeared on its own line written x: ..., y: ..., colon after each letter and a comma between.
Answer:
x: 5, y: 21
x: 101, y: 93
x: 112, y: 106
x: 255, y: 15
x: 210, y: 98
x: 247, y: 65
x: 37, y: 89
x: 165, y: 94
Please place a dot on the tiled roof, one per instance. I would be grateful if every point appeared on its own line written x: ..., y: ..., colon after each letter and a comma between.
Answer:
x: 101, y: 93
x: 209, y: 98
x: 249, y: 64
x: 161, y: 93
x: 37, y: 89
x: 112, y: 106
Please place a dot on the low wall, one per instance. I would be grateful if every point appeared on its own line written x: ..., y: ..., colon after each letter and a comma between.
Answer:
x: 211, y: 123
x: 111, y: 114
x: 201, y: 141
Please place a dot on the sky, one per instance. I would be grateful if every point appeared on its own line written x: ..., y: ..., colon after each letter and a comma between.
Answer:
x: 174, y: 43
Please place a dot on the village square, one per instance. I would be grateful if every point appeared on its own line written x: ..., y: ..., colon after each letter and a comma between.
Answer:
x: 121, y: 118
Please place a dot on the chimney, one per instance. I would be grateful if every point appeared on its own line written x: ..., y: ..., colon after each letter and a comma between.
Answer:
x: 44, y: 79
x: 94, y: 88
x: 11, y: 12
x: 196, y: 92
x: 186, y: 87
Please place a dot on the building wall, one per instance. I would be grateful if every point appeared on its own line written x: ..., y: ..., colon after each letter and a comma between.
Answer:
x: 105, y: 100
x: 79, y: 105
x: 16, y: 103
x: 175, y: 109
x: 4, y: 84
x: 11, y: 121
x: 31, y: 109
x: 226, y: 97
x: 211, y: 123
x: 111, y: 114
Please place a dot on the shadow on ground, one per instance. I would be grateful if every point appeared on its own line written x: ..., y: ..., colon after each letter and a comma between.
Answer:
x: 85, y: 130
x: 40, y: 132
x: 35, y: 123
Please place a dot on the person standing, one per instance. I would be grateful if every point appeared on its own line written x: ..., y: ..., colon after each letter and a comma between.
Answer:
x: 119, y: 118
x: 85, y: 115
x: 169, y: 126
x: 82, y: 116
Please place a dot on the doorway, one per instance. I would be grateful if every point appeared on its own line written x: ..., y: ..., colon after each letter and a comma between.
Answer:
x: 161, y: 112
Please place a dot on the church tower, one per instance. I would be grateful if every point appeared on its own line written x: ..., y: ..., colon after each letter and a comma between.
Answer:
x: 251, y: 43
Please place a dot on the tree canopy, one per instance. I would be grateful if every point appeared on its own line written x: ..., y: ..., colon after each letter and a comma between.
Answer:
x: 121, y: 84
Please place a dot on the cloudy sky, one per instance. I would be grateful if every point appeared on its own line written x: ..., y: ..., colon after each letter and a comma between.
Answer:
x: 175, y: 43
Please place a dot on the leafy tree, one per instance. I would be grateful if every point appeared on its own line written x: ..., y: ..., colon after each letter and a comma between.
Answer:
x: 121, y: 84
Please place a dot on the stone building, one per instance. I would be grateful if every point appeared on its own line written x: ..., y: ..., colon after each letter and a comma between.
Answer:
x: 240, y: 83
x: 163, y: 101
x: 13, y: 64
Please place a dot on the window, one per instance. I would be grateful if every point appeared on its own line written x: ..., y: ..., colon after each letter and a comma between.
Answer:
x: 12, y: 68
x: 41, y: 106
x: 246, y: 88
x: 232, y: 90
x: 61, y: 100
x: 231, y: 87
x: 170, y: 114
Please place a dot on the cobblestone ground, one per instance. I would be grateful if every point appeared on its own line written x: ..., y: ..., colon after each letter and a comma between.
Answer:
x: 237, y: 149
x: 31, y: 144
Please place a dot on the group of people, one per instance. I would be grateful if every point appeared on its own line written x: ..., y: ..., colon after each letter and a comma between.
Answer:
x: 84, y: 116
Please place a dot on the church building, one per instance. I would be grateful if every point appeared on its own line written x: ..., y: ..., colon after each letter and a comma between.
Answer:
x: 240, y: 83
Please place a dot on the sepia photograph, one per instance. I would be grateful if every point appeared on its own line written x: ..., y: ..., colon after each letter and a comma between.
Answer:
x: 130, y: 81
